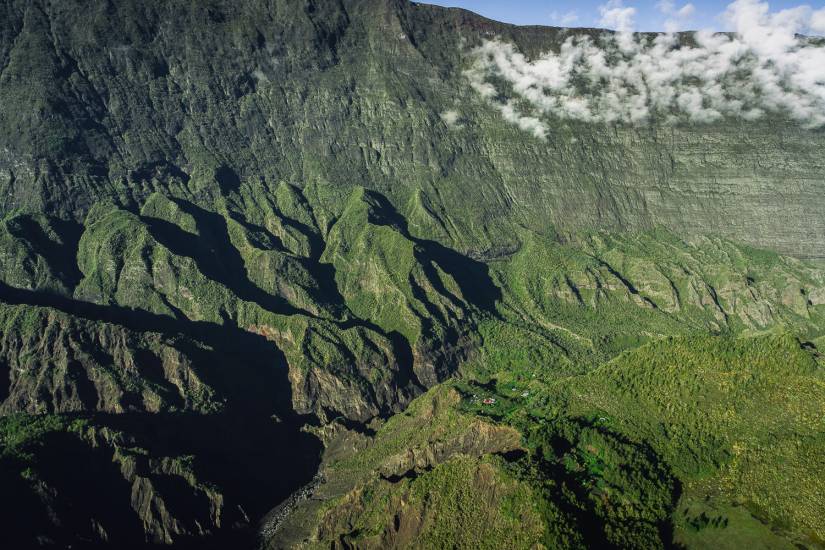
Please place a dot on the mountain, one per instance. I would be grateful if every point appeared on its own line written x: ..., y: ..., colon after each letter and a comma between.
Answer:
x: 273, y: 273
x: 115, y: 100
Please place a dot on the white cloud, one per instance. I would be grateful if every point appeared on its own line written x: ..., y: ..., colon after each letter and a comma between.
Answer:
x: 620, y: 77
x: 676, y: 18
x: 260, y: 76
x: 666, y: 6
x: 615, y: 15
x: 817, y: 22
x: 529, y: 124
x: 564, y: 19
x: 451, y: 118
x: 685, y: 11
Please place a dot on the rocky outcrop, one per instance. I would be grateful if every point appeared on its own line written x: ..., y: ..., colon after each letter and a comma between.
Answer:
x: 57, y: 363
x: 431, y: 435
x: 479, y: 439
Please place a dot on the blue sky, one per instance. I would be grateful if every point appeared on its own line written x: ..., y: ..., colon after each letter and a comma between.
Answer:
x: 585, y: 13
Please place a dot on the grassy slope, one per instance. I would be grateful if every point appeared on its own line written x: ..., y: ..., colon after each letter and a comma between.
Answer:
x: 678, y: 345
x: 702, y: 441
x: 681, y: 435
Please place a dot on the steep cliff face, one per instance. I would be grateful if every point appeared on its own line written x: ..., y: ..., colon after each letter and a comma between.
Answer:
x: 118, y: 100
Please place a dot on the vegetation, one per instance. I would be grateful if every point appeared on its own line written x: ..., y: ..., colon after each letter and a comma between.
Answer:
x: 20, y: 433
x: 629, y: 390
x: 242, y: 244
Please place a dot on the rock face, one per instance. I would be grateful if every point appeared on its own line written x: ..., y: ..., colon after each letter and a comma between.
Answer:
x: 58, y: 364
x: 118, y: 100
x: 431, y: 443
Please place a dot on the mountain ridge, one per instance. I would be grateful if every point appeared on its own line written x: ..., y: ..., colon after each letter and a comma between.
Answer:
x: 273, y: 274
x: 124, y: 110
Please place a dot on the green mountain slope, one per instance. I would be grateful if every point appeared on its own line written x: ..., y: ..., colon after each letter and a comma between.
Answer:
x: 272, y: 274
x: 115, y: 101
x: 697, y: 441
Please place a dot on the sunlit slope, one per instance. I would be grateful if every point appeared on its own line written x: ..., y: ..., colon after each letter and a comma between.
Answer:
x: 698, y: 441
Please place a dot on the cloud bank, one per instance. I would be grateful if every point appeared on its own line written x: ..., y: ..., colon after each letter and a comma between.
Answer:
x: 765, y: 66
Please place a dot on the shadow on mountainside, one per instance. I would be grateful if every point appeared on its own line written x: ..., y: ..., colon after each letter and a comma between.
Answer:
x: 61, y: 257
x: 253, y: 462
x: 218, y: 259
x: 215, y: 256
x: 472, y: 276
x: 85, y: 489
x: 253, y: 451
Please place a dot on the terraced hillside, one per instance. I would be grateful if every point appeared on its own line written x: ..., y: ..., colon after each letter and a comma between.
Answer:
x: 272, y: 274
